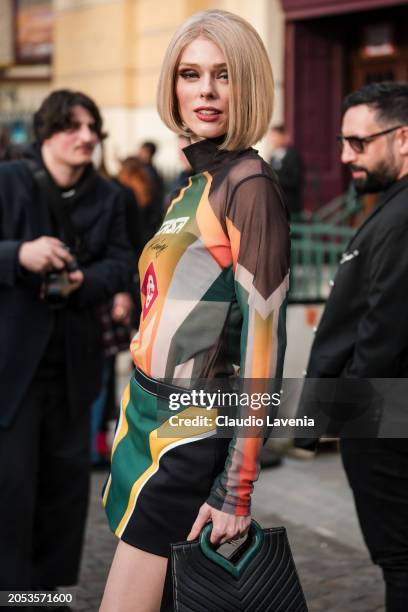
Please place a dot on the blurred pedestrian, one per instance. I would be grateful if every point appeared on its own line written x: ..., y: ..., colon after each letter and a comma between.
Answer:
x: 146, y: 154
x: 288, y: 165
x: 133, y: 186
x: 133, y: 174
x: 364, y: 329
x: 181, y: 179
x: 214, y: 283
x: 117, y: 317
x: 8, y: 150
x: 63, y: 250
x: 4, y: 144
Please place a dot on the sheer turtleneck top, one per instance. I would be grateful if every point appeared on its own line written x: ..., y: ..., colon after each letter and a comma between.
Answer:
x: 214, y: 280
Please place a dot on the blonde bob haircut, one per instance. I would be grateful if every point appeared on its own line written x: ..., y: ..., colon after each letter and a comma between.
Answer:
x: 249, y: 74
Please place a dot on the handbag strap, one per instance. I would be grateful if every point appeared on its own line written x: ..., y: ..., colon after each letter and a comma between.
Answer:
x: 235, y: 569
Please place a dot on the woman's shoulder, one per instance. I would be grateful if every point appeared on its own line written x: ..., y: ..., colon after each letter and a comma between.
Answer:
x: 244, y: 181
x: 249, y: 165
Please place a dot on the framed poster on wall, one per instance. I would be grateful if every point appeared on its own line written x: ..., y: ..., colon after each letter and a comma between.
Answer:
x: 33, y: 31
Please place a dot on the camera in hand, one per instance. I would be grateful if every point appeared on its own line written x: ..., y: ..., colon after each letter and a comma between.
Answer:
x: 55, y: 281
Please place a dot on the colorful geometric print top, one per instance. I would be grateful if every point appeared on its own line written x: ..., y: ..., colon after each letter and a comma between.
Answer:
x: 214, y: 280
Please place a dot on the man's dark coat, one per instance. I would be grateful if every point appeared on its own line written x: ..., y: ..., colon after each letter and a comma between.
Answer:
x: 26, y: 321
x: 364, y: 329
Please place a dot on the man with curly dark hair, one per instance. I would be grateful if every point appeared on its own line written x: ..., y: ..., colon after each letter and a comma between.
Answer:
x: 63, y: 251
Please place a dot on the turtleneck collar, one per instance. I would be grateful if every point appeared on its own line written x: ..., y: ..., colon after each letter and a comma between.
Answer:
x: 205, y: 154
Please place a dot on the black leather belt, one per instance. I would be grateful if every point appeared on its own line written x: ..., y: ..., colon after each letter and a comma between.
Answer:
x: 156, y: 387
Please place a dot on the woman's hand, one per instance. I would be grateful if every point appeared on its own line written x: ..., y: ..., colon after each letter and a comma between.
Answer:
x: 226, y: 527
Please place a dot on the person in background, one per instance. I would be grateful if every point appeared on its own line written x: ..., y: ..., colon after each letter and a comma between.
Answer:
x: 288, y: 165
x: 133, y: 174
x: 4, y: 144
x: 133, y: 185
x: 115, y: 318
x: 363, y: 333
x: 63, y: 251
x: 118, y: 317
x: 146, y: 154
x: 182, y: 178
x: 8, y: 150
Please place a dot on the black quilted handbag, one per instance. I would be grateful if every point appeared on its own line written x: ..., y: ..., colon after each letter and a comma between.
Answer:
x: 260, y: 576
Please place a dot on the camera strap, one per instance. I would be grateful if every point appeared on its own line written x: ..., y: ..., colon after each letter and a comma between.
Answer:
x: 59, y: 208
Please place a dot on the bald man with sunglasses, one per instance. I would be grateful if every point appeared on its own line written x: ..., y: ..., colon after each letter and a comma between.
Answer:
x: 364, y: 329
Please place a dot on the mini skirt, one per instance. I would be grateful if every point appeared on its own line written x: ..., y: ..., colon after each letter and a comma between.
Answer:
x: 160, y: 474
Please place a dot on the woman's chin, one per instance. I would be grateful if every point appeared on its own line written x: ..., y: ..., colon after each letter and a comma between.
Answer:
x: 208, y: 131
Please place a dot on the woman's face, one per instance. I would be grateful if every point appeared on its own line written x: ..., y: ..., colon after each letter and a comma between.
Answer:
x: 202, y: 89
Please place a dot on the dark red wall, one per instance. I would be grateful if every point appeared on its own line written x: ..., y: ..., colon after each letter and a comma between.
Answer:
x: 322, y: 64
x: 314, y: 91
x: 305, y: 9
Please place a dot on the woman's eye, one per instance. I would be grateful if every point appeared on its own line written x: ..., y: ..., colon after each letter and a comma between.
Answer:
x: 188, y: 74
x: 223, y: 75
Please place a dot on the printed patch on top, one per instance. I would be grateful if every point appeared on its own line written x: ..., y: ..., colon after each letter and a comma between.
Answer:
x: 172, y: 226
x: 149, y: 289
x: 348, y: 256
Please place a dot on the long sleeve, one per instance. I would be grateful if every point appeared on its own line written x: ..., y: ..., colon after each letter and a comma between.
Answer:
x: 9, y: 262
x: 378, y: 347
x: 11, y: 273
x: 9, y: 247
x: 258, y: 230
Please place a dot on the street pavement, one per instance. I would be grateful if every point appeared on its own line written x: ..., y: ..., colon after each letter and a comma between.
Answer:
x: 312, y: 500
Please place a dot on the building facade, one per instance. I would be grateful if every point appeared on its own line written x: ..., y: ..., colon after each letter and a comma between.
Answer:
x: 331, y: 48
x: 26, y: 31
x: 113, y: 49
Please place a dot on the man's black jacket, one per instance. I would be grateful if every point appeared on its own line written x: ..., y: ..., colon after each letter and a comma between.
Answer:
x: 26, y: 321
x: 364, y: 329
x: 363, y: 333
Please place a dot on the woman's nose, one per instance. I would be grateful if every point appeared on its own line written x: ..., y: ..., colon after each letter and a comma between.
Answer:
x: 207, y: 88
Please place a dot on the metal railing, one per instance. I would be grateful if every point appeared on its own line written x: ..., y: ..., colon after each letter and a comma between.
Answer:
x: 316, y: 251
x: 341, y: 209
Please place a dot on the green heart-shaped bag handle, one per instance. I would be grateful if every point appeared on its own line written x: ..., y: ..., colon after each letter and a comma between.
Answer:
x: 255, y: 533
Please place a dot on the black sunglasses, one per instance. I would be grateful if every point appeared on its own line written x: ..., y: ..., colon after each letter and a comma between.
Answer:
x: 358, y: 144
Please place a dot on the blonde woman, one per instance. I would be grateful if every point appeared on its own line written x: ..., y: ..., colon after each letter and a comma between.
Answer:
x: 214, y: 281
